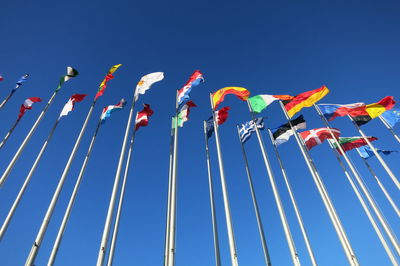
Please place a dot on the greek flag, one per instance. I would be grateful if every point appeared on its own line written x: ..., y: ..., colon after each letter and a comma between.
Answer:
x: 248, y: 127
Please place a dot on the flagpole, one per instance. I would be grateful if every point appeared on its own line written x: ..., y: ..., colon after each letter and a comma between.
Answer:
x: 365, y: 190
x: 351, y: 257
x: 9, y: 133
x: 211, y: 191
x: 281, y: 210
x: 389, y: 198
x: 294, y: 203
x: 26, y: 182
x: 39, y: 238
x: 255, y: 204
x: 120, y: 202
x: 231, y: 237
x: 390, y: 173
x: 71, y: 202
x: 107, y: 225
x: 389, y: 127
x: 12, y: 92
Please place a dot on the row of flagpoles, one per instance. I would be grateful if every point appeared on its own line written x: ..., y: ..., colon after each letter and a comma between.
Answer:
x: 359, y: 114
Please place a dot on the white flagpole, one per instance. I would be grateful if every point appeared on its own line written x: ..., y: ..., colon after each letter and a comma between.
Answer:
x: 389, y: 127
x: 351, y: 257
x: 71, y: 202
x: 26, y: 182
x: 211, y: 191
x: 39, y: 238
x: 294, y: 203
x: 255, y: 204
x: 390, y: 173
x: 12, y: 92
x: 281, y: 210
x: 9, y: 133
x: 231, y: 237
x: 387, y: 195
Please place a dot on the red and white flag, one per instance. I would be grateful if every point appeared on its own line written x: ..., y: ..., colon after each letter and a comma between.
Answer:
x: 1, y: 78
x: 28, y: 105
x: 142, y: 117
x: 316, y: 136
x: 69, y: 106
x: 222, y: 115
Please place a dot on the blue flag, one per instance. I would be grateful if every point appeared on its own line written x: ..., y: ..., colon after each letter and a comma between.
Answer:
x: 392, y: 116
x: 367, y: 153
x: 209, y: 127
x: 248, y: 127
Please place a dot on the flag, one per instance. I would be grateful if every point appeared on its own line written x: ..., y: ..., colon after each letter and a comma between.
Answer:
x: 221, y: 115
x: 367, y: 153
x: 219, y: 95
x: 183, y: 114
x: 247, y: 128
x: 146, y: 81
x: 209, y: 127
x: 260, y: 102
x: 28, y: 105
x: 316, y: 136
x: 374, y: 110
x: 142, y: 117
x: 21, y: 80
x: 107, y: 111
x: 392, y: 116
x: 305, y: 99
x: 71, y: 73
x: 69, y: 106
x: 103, y: 84
x: 350, y: 143
x: 1, y: 78
x: 283, y: 132
x: 331, y: 111
x: 195, y: 79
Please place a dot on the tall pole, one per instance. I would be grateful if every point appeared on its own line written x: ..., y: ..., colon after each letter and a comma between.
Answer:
x: 71, y: 202
x: 13, y: 91
x: 389, y: 127
x: 255, y: 204
x: 294, y: 203
x: 39, y: 238
x: 390, y: 173
x: 212, y: 204
x: 9, y: 133
x: 285, y: 224
x: 231, y: 237
x: 350, y: 255
x: 120, y: 202
x: 26, y: 182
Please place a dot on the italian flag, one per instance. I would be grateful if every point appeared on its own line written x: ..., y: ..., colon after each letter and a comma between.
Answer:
x: 260, y: 102
x: 183, y: 115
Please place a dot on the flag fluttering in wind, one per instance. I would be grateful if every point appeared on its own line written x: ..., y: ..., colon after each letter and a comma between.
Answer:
x: 183, y: 114
x: 367, y: 153
x: 71, y: 73
x: 219, y: 95
x: 27, y: 105
x: 349, y: 143
x: 1, y: 78
x: 69, y: 106
x: 142, y: 117
x: 195, y: 79
x: 247, y: 128
x: 305, y: 99
x: 392, y: 117
x: 374, y: 110
x: 209, y: 126
x: 331, y: 111
x: 107, y: 111
x: 222, y: 115
x: 316, y: 136
x: 284, y: 132
x: 21, y: 80
x: 103, y: 84
x: 146, y: 81
x: 260, y: 102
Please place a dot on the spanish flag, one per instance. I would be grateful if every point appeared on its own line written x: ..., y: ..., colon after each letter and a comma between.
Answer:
x: 219, y: 95
x: 374, y: 110
x: 103, y: 84
x: 305, y: 99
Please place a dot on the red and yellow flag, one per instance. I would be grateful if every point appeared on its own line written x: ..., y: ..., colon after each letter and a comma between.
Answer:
x: 103, y: 84
x: 219, y: 95
x: 305, y: 99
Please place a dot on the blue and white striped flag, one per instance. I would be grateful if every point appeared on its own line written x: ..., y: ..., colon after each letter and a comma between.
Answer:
x: 248, y: 127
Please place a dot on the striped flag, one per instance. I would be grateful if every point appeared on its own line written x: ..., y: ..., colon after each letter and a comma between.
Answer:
x: 284, y: 132
x: 219, y: 96
x: 305, y: 99
x: 71, y: 73
x: 107, y: 111
x: 69, y: 106
x: 103, y: 84
x: 222, y: 115
x: 142, y: 117
x: 349, y: 143
x: 247, y: 128
x: 195, y: 79
x: 183, y: 115
x: 27, y: 105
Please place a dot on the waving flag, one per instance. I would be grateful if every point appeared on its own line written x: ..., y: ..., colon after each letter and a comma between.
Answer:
x: 21, y: 80
x: 260, y: 102
x: 367, y: 153
x: 284, y: 132
x: 69, y: 106
x: 103, y: 84
x: 71, y: 73
x: 219, y: 95
x: 350, y: 143
x: 374, y: 110
x: 142, y: 117
x: 316, y: 136
x: 247, y: 128
x: 146, y: 81
x: 209, y: 126
x: 1, y: 78
x: 331, y: 111
x: 305, y: 99
x: 107, y: 111
x: 27, y: 105
x: 221, y: 115
x: 392, y: 117
x: 195, y: 79
x: 183, y: 115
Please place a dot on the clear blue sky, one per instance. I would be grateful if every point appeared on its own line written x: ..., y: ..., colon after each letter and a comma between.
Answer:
x: 269, y: 47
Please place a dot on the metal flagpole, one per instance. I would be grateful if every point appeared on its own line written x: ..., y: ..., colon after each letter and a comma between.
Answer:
x: 364, y: 189
x: 39, y: 238
x: 120, y: 202
x: 390, y: 173
x: 351, y: 257
x: 285, y: 224
x: 12, y: 92
x: 107, y: 225
x: 389, y: 198
x: 9, y: 133
x: 389, y: 127
x: 71, y: 202
x: 211, y: 191
x: 231, y: 237
x: 26, y: 182
x: 294, y: 203
x: 255, y: 204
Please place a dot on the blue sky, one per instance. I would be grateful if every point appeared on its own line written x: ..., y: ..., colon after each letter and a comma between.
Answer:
x: 284, y: 47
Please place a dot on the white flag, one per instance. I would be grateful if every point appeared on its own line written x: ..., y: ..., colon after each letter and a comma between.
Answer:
x: 146, y: 81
